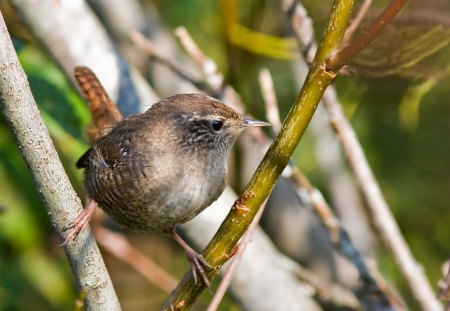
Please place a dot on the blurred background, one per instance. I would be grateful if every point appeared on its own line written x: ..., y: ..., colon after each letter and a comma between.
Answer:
x: 395, y: 93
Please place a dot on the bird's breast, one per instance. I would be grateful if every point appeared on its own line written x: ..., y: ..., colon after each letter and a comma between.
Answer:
x: 196, y: 187
x: 161, y: 194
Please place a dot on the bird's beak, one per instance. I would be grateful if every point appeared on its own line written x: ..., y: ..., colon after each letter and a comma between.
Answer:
x: 254, y: 123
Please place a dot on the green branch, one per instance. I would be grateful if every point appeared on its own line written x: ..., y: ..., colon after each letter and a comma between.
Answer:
x: 221, y: 248
x: 342, y: 56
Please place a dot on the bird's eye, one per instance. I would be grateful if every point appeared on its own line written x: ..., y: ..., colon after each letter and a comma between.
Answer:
x: 216, y: 125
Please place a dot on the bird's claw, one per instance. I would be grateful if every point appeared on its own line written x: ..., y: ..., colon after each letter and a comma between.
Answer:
x: 198, y: 264
x: 79, y: 224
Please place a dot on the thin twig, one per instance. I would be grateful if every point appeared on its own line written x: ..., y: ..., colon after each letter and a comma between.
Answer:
x: 211, y: 74
x: 270, y: 100
x: 302, y: 25
x: 378, y: 208
x: 356, y: 21
x: 207, y: 65
x: 146, y: 45
x: 117, y: 245
x: 231, y: 270
x: 339, y: 57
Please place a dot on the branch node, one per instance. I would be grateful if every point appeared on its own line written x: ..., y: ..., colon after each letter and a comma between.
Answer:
x: 330, y: 62
x: 242, y: 200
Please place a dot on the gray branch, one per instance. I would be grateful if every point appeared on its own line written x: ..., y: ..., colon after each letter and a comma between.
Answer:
x: 61, y: 201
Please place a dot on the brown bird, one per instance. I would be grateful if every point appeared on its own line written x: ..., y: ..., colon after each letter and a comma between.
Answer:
x: 153, y: 171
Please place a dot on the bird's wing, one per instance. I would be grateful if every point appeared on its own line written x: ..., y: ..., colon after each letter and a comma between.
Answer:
x: 119, y: 148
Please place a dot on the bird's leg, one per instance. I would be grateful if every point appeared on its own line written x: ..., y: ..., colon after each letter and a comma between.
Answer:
x: 198, y: 263
x: 79, y: 224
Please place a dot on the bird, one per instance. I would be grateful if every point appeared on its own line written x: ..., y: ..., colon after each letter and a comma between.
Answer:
x: 153, y: 171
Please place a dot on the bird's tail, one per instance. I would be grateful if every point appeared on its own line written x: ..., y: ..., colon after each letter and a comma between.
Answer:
x: 105, y: 114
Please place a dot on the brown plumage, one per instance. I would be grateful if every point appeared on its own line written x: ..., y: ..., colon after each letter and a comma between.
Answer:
x: 155, y: 170
x: 103, y: 110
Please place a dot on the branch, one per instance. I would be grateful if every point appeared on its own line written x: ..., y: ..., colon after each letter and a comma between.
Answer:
x: 262, y: 284
x: 117, y: 245
x: 211, y: 74
x: 147, y: 46
x: 60, y: 199
x: 379, y: 211
x: 209, y: 68
x: 299, y: 182
x: 199, y: 229
x: 303, y: 27
x: 356, y: 21
x: 271, y: 167
x: 341, y: 56
x: 231, y: 270
x: 270, y: 101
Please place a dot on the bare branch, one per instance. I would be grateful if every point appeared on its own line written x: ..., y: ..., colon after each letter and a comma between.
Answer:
x: 337, y: 59
x: 120, y: 247
x: 356, y: 21
x: 207, y: 65
x: 303, y: 28
x: 147, y: 46
x: 300, y: 183
x: 270, y: 100
x: 60, y: 199
x: 380, y: 213
x: 379, y: 210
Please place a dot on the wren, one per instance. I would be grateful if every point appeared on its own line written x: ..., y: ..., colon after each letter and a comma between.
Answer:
x: 153, y: 171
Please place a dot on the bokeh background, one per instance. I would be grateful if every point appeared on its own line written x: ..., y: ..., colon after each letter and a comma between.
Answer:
x: 396, y: 96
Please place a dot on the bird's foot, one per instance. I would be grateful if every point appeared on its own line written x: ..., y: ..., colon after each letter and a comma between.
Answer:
x: 197, y: 261
x: 198, y: 265
x: 79, y: 224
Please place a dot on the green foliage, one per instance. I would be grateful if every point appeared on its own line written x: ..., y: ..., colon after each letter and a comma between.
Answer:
x: 411, y: 164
